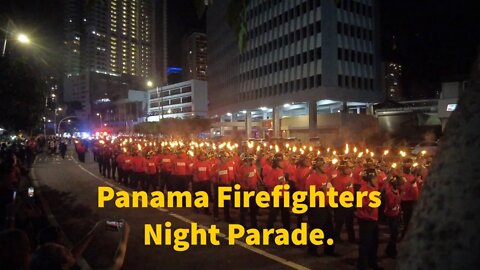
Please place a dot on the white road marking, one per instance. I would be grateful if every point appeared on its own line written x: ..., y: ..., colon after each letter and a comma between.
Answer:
x: 261, y: 252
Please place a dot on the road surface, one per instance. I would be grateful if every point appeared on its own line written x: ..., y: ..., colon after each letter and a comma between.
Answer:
x: 70, y: 189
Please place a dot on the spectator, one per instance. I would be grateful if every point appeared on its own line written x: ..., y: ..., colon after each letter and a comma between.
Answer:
x: 14, y: 250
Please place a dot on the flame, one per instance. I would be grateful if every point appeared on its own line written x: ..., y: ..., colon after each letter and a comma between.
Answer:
x: 355, y: 149
x: 328, y: 150
x: 310, y: 149
x: 385, y: 152
x: 258, y: 148
x: 139, y: 147
x: 415, y: 164
x: 372, y: 154
x: 294, y: 149
x: 287, y: 145
x: 394, y: 165
x: 360, y: 154
x: 367, y: 151
x: 423, y: 152
x: 334, y: 161
x: 334, y: 152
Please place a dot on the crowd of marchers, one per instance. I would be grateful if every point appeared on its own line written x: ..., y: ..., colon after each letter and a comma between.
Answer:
x: 202, y: 165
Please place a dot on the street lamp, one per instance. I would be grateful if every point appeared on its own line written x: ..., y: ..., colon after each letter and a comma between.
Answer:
x: 150, y: 84
x: 22, y: 38
x: 101, y: 120
x: 55, y: 120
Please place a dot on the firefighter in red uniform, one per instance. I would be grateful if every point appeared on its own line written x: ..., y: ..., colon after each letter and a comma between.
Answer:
x: 127, y: 169
x: 392, y: 212
x: 303, y: 170
x: 120, y: 166
x: 320, y: 217
x: 201, y: 170
x: 342, y: 183
x: 165, y: 161
x: 138, y: 167
x: 274, y: 177
x: 150, y: 173
x: 222, y: 177
x: 248, y: 178
x: 409, y: 194
x: 368, y: 224
x: 81, y: 149
x: 180, y: 169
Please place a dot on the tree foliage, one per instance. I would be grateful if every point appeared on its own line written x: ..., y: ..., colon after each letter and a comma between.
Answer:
x: 175, y: 127
x: 22, y: 95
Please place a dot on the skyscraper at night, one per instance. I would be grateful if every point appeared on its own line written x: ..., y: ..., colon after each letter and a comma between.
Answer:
x: 110, y: 42
x: 323, y: 54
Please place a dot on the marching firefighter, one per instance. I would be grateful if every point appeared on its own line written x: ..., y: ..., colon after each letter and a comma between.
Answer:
x: 320, y: 217
x: 392, y: 212
x: 222, y: 177
x: 368, y: 224
x: 276, y: 176
x: 343, y: 215
x: 248, y: 178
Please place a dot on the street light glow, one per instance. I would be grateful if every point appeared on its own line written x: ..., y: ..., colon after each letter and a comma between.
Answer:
x: 98, y: 114
x: 22, y: 38
x: 149, y: 83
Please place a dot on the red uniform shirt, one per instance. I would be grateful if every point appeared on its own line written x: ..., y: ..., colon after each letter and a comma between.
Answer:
x: 247, y: 177
x: 273, y: 178
x: 392, y: 202
x: 128, y: 163
x: 381, y: 178
x: 266, y: 168
x: 222, y: 175
x: 410, y: 188
x: 291, y: 170
x: 138, y: 163
x: 366, y: 212
x: 319, y: 181
x: 166, y: 162
x: 343, y: 183
x: 180, y: 166
x: 302, y: 175
x: 151, y: 166
x: 201, y: 171
x: 357, y: 178
x: 120, y: 161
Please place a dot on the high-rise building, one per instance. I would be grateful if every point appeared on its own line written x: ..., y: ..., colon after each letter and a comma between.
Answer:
x: 112, y: 38
x: 392, y: 83
x: 119, y: 38
x: 322, y: 54
x: 195, y: 56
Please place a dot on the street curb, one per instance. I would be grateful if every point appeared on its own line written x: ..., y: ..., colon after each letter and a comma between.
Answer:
x: 82, y: 263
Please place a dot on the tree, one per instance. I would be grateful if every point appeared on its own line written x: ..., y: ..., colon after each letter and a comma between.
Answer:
x: 175, y: 127
x: 22, y: 95
x: 444, y: 230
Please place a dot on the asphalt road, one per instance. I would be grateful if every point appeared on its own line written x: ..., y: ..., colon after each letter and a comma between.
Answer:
x: 70, y: 189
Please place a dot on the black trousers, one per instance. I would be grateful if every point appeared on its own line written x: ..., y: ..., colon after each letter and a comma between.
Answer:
x: 114, y: 170
x: 106, y: 169
x: 367, y: 249
x: 226, y: 208
x: 180, y: 182
x: 164, y: 182
x: 81, y: 157
x: 120, y: 174
x: 343, y: 216
x: 407, y: 208
x: 149, y: 181
x: 321, y: 218
x: 392, y: 241
x: 127, y: 177
x: 253, y: 209
x: 273, y: 213
x: 201, y: 186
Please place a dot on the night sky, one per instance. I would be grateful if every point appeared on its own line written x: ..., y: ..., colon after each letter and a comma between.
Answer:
x: 436, y: 40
